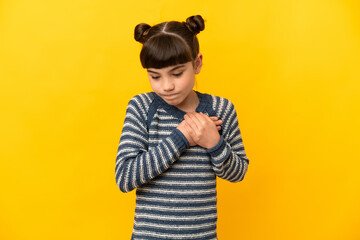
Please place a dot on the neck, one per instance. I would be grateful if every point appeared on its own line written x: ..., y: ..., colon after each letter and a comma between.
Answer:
x: 190, y: 103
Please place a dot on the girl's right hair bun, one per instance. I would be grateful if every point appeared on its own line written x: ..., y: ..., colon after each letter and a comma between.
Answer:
x: 140, y: 32
x: 195, y: 24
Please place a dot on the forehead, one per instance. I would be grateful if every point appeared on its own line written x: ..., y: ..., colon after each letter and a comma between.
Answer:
x: 168, y: 69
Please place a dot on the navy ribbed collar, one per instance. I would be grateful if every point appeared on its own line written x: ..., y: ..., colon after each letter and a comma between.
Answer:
x: 173, y: 110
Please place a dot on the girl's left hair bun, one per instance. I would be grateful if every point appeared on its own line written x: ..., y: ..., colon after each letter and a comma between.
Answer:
x: 141, y: 31
x: 195, y: 24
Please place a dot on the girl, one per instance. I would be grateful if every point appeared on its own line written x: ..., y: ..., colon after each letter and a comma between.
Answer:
x: 176, y: 140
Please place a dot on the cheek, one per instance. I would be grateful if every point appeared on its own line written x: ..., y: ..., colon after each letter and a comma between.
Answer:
x: 189, y: 82
x: 155, y: 86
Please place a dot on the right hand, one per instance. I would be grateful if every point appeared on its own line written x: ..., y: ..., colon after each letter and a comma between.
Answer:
x: 184, y: 131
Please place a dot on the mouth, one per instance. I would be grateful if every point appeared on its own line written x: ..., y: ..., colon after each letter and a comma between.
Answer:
x: 169, y: 95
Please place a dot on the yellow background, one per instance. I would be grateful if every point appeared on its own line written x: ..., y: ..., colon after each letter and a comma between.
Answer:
x: 292, y: 69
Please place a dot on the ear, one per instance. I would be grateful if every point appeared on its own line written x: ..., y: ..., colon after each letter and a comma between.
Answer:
x: 198, y: 63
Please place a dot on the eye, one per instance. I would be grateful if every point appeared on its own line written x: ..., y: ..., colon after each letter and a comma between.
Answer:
x: 178, y: 74
x: 155, y: 77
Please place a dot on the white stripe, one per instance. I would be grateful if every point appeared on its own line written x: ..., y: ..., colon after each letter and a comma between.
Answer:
x: 177, y: 227
x: 134, y: 135
x: 142, y: 174
x: 162, y: 133
x: 186, y: 183
x: 174, y: 125
x: 191, y: 166
x: 158, y: 199
x: 134, y: 172
x: 162, y: 110
x: 131, y: 141
x: 174, y: 236
x: 198, y: 159
x: 128, y: 150
x: 196, y: 149
x: 175, y: 217
x: 188, y: 174
x: 133, y: 127
x: 180, y: 191
x: 172, y: 209
x: 148, y: 163
x: 167, y: 117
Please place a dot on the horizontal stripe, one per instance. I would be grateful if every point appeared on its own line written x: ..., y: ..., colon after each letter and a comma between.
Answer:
x: 173, y: 236
x: 175, y: 204
x: 175, y: 231
x: 168, y: 191
x: 189, y: 214
x: 188, y: 174
x: 194, y: 182
x: 158, y: 199
x: 175, y: 217
x: 179, y: 227
x: 172, y: 209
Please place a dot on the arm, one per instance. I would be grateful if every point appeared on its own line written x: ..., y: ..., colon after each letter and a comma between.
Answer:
x: 228, y: 155
x: 135, y: 164
x: 226, y: 151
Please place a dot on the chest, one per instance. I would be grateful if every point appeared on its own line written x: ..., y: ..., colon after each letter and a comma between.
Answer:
x: 193, y: 159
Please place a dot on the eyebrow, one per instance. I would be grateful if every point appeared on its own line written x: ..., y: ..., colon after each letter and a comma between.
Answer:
x: 170, y: 70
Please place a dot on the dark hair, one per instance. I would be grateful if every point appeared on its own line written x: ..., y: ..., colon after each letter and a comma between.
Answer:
x: 169, y: 43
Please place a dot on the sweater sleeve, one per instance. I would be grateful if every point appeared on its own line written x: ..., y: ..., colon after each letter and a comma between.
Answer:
x: 135, y: 163
x: 228, y: 155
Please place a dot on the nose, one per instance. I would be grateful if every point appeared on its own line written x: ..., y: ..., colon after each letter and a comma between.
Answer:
x: 168, y: 85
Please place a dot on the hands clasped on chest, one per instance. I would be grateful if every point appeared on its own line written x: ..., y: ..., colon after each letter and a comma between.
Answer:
x: 200, y: 129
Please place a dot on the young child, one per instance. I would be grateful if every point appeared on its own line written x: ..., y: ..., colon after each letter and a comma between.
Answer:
x: 175, y: 140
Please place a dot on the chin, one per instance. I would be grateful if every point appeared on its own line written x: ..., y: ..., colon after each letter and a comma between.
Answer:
x: 173, y: 102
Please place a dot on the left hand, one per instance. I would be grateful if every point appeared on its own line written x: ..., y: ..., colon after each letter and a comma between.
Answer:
x: 202, y: 129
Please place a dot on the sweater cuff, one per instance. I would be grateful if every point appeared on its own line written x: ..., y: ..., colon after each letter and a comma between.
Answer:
x: 220, y: 152
x: 180, y: 140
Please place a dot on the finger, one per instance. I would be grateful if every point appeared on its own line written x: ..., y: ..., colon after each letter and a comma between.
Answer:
x: 218, y: 122
x: 205, y: 118
x: 189, y: 130
x: 202, y: 118
x: 193, y: 121
x: 190, y: 121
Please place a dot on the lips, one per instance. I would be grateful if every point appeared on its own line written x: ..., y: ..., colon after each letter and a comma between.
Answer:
x: 170, y: 95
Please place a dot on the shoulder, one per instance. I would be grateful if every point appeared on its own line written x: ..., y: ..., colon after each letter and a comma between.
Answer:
x: 140, y: 103
x: 143, y: 99
x: 221, y: 105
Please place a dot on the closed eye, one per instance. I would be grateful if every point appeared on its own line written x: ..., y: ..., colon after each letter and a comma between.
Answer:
x: 178, y: 74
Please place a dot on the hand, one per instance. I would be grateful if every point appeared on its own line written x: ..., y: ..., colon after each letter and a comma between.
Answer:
x: 218, y: 122
x: 186, y: 133
x: 202, y: 129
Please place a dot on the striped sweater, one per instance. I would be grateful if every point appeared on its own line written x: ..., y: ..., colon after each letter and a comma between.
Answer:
x: 175, y: 183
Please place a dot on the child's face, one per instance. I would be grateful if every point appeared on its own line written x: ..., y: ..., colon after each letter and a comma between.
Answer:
x: 174, y: 84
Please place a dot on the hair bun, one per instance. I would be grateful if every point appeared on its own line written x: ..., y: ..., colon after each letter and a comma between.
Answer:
x: 141, y: 31
x: 195, y: 24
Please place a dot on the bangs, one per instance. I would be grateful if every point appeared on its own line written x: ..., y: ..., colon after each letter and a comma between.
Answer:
x: 164, y: 51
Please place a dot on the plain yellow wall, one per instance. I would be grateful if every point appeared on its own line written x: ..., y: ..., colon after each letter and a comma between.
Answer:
x: 292, y: 69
